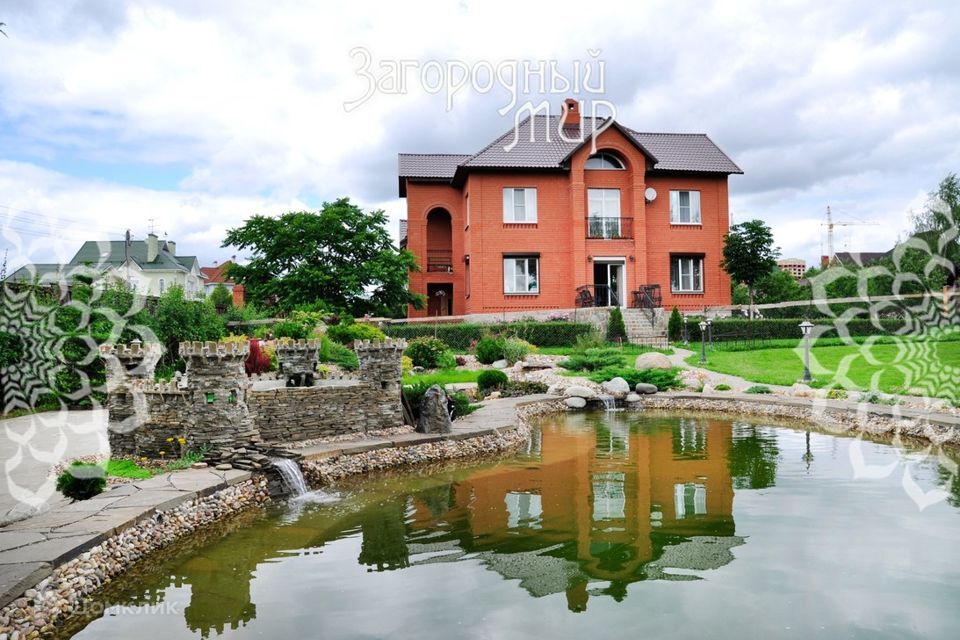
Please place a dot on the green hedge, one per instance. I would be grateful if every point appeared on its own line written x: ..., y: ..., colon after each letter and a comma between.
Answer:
x: 772, y: 329
x: 462, y: 335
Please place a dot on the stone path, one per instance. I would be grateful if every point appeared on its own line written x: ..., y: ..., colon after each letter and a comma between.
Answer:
x: 493, y: 416
x: 30, y: 549
x: 30, y: 446
x: 679, y: 356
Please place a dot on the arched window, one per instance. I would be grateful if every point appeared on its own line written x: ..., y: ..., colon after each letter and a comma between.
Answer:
x: 163, y: 285
x: 603, y: 160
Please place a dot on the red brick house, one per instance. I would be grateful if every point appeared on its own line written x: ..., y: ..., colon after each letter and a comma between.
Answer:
x: 217, y: 275
x: 554, y: 224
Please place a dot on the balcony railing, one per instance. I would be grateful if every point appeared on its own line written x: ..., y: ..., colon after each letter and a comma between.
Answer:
x: 440, y: 261
x: 609, y: 228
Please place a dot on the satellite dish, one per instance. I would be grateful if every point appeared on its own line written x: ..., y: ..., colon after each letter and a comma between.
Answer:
x: 650, y: 194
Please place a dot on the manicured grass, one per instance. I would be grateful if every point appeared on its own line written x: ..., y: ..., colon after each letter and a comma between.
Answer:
x: 627, y: 349
x: 447, y: 376
x: 127, y: 469
x: 887, y: 368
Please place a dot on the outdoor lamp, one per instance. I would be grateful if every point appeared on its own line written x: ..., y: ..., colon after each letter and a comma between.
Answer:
x: 805, y: 327
x: 703, y: 342
x: 710, y: 332
x: 686, y: 331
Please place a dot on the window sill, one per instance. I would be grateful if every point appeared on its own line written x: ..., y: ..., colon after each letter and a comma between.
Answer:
x: 685, y: 224
x: 520, y: 225
x: 686, y: 293
x: 522, y: 295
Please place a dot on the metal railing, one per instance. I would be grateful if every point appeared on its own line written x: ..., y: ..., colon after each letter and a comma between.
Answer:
x: 440, y: 261
x: 609, y: 228
x: 648, y: 299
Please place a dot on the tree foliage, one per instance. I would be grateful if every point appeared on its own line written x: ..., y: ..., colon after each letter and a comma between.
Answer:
x: 749, y: 254
x: 340, y: 255
x: 221, y: 298
x: 936, y: 229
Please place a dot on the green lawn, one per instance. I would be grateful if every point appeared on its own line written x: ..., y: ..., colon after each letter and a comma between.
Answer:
x: 887, y: 368
x: 628, y: 350
x: 447, y: 376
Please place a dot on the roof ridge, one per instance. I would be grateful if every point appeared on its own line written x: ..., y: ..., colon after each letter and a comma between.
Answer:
x: 403, y: 153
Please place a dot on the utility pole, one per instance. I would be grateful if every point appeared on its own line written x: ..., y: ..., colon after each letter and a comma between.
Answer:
x: 126, y: 256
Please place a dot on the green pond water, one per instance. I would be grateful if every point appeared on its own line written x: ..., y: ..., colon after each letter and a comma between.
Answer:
x: 609, y: 525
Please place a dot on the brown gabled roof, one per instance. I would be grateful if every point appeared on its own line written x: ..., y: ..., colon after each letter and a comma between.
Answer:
x: 217, y: 274
x: 539, y: 145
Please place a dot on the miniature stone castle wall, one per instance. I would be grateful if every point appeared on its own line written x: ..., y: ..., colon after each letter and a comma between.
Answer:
x: 298, y: 361
x: 213, y: 404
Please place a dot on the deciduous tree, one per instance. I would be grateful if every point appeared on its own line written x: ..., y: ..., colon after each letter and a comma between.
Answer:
x: 749, y: 254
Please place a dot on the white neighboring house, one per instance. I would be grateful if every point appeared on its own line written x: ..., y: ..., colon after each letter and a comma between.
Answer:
x: 149, y: 266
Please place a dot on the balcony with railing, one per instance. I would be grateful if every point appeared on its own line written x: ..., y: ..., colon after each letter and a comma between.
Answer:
x: 439, y: 261
x: 609, y: 228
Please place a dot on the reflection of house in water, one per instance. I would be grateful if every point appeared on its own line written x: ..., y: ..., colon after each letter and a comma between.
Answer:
x: 606, y: 504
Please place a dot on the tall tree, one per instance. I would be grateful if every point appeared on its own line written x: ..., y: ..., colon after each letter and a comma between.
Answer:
x: 938, y: 226
x: 340, y: 255
x: 749, y: 254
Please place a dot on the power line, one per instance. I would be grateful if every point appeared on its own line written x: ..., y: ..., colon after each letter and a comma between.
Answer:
x: 58, y: 217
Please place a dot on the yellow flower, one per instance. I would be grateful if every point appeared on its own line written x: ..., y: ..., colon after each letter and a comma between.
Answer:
x: 182, y: 440
x: 169, y: 439
x: 163, y: 453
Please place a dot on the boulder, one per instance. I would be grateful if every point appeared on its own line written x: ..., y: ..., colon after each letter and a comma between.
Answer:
x: 500, y: 364
x: 633, y: 397
x: 534, y: 362
x: 801, y: 390
x: 577, y: 391
x: 575, y: 402
x: 645, y: 388
x: 617, y: 387
x: 434, y: 411
x: 653, y: 360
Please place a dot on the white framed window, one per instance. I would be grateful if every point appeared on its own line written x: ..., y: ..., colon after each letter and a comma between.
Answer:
x: 685, y: 207
x: 686, y: 274
x: 163, y: 285
x: 519, y: 204
x: 603, y: 160
x: 603, y: 203
x: 521, y: 274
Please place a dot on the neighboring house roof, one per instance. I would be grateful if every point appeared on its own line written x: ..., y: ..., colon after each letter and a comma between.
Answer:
x: 539, y: 145
x: 100, y: 256
x: 861, y: 258
x: 218, y: 274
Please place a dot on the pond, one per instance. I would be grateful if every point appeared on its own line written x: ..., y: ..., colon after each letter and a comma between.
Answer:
x: 620, y: 524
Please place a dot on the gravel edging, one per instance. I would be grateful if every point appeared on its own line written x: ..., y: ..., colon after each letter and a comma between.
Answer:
x: 861, y: 418
x: 327, y: 470
x: 62, y: 593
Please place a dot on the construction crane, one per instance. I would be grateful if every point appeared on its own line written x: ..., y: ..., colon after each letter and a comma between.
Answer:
x: 830, y: 224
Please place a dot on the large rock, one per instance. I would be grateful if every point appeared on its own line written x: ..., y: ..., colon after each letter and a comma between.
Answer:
x: 645, y: 388
x: 633, y: 397
x: 575, y: 402
x: 434, y: 411
x: 500, y: 364
x: 617, y: 387
x: 577, y: 391
x: 653, y: 360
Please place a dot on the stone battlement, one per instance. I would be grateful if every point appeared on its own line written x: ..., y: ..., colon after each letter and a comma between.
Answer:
x: 133, y: 351
x: 297, y: 345
x: 388, y: 344
x: 212, y: 349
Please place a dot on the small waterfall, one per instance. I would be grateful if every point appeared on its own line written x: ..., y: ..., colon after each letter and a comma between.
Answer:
x: 609, y: 402
x: 291, y: 475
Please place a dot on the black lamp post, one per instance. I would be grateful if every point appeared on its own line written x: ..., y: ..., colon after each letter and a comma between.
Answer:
x: 703, y: 342
x: 686, y: 331
x: 710, y: 332
x: 805, y: 328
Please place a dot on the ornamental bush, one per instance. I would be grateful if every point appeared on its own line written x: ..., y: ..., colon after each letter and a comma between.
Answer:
x: 773, y: 329
x: 663, y: 379
x: 490, y: 380
x: 616, y: 327
x: 516, y: 349
x: 490, y: 349
x: 460, y: 335
x: 593, y: 359
x: 348, y: 333
x: 82, y: 480
x: 429, y: 353
x: 335, y: 353
x: 675, y: 325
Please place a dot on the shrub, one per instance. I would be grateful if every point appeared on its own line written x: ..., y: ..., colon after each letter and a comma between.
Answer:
x: 258, y: 361
x: 429, y: 353
x: 337, y: 354
x: 723, y: 386
x: 490, y: 349
x: 460, y: 360
x: 758, y: 388
x: 414, y: 395
x: 772, y: 329
x: 675, y: 325
x: 516, y: 349
x: 663, y: 379
x: 490, y: 380
x: 461, y: 335
x: 291, y: 329
x: 354, y: 331
x: 461, y: 404
x: 524, y: 388
x: 82, y: 480
x: 616, y: 327
x: 592, y: 340
x: 406, y: 365
x: 872, y: 397
x: 593, y: 359
x: 837, y: 394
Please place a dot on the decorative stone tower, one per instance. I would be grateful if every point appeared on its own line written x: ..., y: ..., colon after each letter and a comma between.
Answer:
x: 216, y: 384
x: 128, y: 367
x: 298, y: 361
x: 381, y: 367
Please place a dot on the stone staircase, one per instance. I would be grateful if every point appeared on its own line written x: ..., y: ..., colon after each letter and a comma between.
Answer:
x: 640, y: 329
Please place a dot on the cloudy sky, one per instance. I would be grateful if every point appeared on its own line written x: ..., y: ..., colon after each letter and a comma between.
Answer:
x: 196, y: 115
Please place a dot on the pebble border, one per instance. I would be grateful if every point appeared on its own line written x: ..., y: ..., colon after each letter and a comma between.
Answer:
x: 322, y: 472
x: 834, y: 419
x: 37, y: 612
